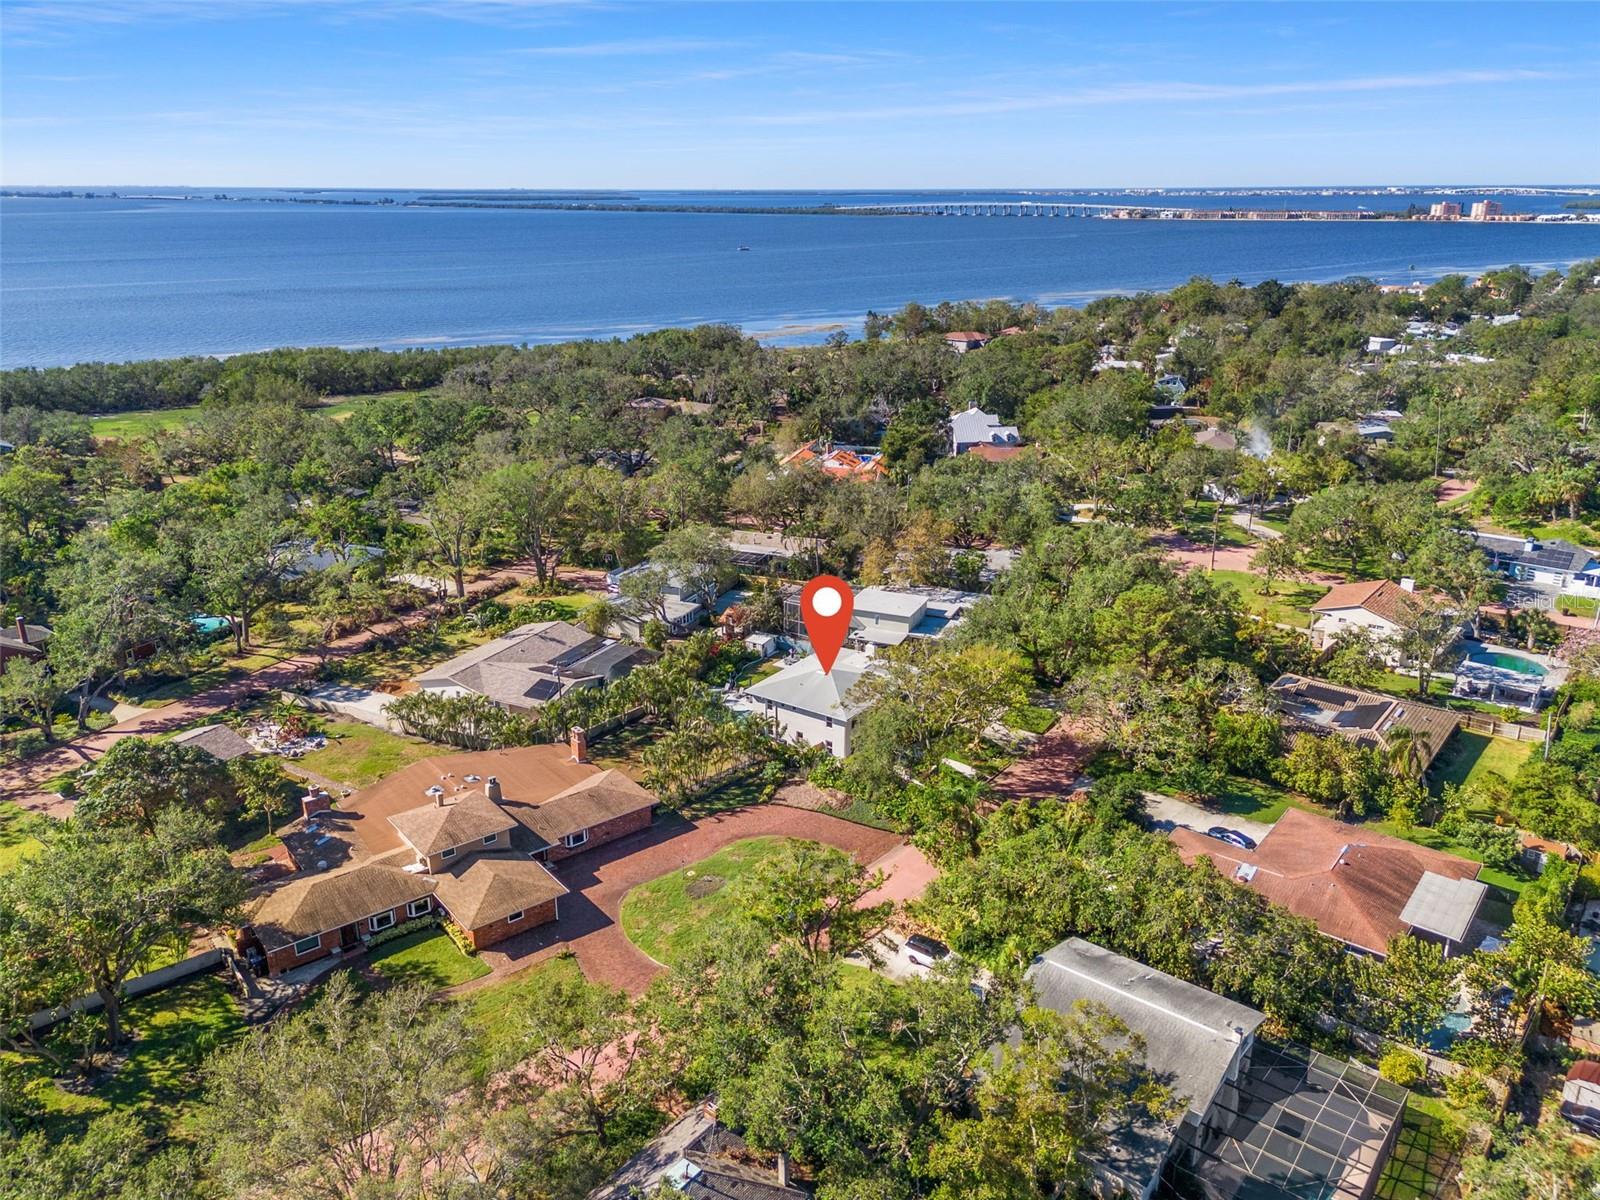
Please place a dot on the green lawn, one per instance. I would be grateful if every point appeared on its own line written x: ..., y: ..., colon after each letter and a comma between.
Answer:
x: 496, y: 1011
x: 1195, y: 524
x: 667, y: 916
x: 359, y: 754
x: 159, y: 1082
x: 569, y: 604
x: 1577, y: 606
x: 1471, y: 755
x: 427, y: 956
x: 17, y: 829
x: 1426, y: 1152
x: 1032, y: 718
x: 128, y: 425
x: 1289, y: 602
x: 391, y: 664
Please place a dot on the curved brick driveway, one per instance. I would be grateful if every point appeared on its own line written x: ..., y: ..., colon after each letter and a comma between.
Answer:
x: 602, y: 877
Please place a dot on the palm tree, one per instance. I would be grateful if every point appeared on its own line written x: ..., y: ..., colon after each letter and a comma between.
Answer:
x: 1402, y: 752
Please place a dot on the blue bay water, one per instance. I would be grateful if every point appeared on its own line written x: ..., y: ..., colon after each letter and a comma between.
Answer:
x: 114, y: 279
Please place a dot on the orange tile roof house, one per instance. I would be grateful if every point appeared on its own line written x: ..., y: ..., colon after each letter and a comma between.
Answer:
x: 842, y: 462
x: 1380, y: 605
x: 1360, y: 887
x: 465, y: 835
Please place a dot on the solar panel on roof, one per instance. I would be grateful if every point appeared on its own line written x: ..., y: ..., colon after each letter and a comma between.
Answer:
x: 1363, y: 716
x: 544, y: 689
x: 1324, y: 694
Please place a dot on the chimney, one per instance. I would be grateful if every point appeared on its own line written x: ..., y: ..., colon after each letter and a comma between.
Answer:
x: 314, y: 802
x: 22, y: 631
x: 1408, y: 584
x: 580, y: 744
x: 1529, y: 545
x: 437, y: 793
x: 491, y: 788
x: 783, y: 1169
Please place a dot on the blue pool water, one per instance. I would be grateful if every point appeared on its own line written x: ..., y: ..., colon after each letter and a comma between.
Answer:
x: 209, y: 625
x: 1508, y: 662
x: 1447, y: 1031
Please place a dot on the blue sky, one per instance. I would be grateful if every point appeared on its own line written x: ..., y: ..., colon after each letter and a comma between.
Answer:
x: 543, y: 93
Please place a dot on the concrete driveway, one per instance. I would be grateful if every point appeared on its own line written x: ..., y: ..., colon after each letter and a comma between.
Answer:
x: 1164, y: 813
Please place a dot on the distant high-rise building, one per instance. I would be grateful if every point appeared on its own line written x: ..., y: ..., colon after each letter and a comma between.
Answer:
x: 1446, y: 210
x: 1484, y: 209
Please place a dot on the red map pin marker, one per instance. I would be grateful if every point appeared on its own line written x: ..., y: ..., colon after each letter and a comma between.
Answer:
x: 826, y: 603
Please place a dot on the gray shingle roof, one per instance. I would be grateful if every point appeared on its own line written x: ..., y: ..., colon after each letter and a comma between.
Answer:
x: 534, y: 663
x: 1191, y: 1036
x: 216, y: 740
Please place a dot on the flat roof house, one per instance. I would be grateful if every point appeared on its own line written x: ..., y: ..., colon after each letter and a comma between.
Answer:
x: 1316, y: 706
x: 467, y: 835
x: 1262, y: 1121
x: 887, y: 616
x: 973, y: 427
x: 1359, y: 887
x: 809, y: 704
x: 533, y: 665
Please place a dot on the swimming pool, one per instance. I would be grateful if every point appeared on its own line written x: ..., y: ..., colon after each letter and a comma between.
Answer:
x: 209, y: 625
x: 1443, y: 1035
x: 1508, y: 662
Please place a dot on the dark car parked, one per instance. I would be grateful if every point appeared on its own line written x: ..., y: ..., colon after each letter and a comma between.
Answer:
x: 1232, y: 836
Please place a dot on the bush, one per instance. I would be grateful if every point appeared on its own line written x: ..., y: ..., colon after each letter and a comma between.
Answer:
x: 402, y: 929
x: 1467, y: 1090
x: 1399, y: 1065
x: 459, y: 936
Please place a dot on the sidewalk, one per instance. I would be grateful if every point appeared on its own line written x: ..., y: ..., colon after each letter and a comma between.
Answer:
x: 22, y: 782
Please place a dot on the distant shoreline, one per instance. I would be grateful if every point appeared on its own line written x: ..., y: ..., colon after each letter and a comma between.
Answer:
x: 1034, y: 209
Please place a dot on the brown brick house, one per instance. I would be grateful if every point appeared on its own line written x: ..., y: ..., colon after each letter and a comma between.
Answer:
x: 445, y: 835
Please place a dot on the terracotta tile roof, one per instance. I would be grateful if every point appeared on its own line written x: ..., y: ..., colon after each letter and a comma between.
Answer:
x: 966, y: 335
x: 994, y: 453
x: 435, y: 827
x: 488, y: 887
x: 1380, y: 597
x: 1354, y: 883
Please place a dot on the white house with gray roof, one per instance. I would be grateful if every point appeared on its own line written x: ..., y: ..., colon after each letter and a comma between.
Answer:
x: 1264, y: 1120
x: 811, y: 705
x: 533, y: 665
x: 974, y: 427
x: 1195, y: 1041
x: 1554, y: 564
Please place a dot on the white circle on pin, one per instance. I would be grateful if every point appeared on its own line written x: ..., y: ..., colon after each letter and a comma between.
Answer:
x: 826, y: 601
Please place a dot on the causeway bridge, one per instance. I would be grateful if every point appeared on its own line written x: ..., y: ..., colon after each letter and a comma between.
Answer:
x: 1126, y: 212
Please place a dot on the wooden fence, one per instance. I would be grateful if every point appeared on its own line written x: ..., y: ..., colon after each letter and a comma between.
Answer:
x: 1479, y: 723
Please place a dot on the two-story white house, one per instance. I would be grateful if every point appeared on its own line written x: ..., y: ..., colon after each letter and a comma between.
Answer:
x: 811, y: 705
x: 973, y: 427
